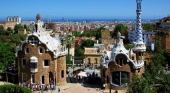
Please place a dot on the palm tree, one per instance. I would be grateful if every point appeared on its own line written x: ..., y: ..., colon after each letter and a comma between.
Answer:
x: 69, y: 41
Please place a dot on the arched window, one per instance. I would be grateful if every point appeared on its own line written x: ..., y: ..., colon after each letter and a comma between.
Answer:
x: 120, y: 78
x: 107, y: 79
x: 121, y: 59
x: 62, y: 74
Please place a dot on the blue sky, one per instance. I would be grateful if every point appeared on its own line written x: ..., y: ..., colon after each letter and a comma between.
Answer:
x: 83, y: 9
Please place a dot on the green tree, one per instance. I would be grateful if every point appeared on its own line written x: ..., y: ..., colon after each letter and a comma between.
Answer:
x: 4, y: 38
x: 2, y: 32
x: 68, y: 40
x: 98, y: 34
x: 148, y: 27
x: 6, y: 55
x: 1, y: 27
x: 68, y: 59
x: 17, y: 27
x: 17, y: 38
x: 9, y: 31
x: 155, y: 79
x: 25, y: 27
x: 79, y: 52
x: 119, y: 28
x: 87, y: 43
x: 128, y: 46
x: 9, y: 88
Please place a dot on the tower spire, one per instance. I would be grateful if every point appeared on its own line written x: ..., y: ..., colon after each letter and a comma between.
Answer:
x: 138, y: 38
x: 139, y: 45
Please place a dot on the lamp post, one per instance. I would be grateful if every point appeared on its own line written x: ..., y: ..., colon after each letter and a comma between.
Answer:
x: 110, y: 84
x: 110, y: 88
x: 95, y: 66
x: 73, y: 68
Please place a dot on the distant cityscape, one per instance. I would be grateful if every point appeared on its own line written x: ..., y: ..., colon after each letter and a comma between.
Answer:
x: 100, y: 55
x: 81, y: 20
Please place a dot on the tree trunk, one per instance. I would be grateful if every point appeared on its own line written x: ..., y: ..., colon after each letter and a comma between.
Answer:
x: 6, y: 76
x: 69, y: 50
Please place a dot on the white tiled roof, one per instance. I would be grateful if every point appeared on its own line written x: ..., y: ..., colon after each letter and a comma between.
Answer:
x: 53, y: 44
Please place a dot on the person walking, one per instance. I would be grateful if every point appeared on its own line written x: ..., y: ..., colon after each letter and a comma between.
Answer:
x: 58, y: 90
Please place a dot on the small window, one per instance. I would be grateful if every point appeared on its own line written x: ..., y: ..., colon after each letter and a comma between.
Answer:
x: 96, y: 61
x: 33, y: 41
x: 107, y: 79
x: 40, y: 50
x: 24, y: 77
x: 62, y: 74
x: 32, y: 78
x: 42, y: 79
x: 132, y: 57
x: 27, y: 50
x: 89, y: 61
x: 23, y: 62
x: 33, y: 65
x: 46, y: 63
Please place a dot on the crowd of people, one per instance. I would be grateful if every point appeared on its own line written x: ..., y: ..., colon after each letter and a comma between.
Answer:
x: 38, y: 87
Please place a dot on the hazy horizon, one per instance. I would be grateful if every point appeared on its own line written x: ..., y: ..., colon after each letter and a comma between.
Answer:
x: 83, y: 9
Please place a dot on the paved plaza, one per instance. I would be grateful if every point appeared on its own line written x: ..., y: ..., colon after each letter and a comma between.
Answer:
x: 79, y: 87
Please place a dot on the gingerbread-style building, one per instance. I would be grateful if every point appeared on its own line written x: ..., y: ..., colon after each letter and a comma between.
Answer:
x: 41, y: 58
x: 118, y: 65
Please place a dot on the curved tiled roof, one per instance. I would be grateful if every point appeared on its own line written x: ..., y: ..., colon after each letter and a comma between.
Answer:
x: 118, y: 48
x: 44, y: 37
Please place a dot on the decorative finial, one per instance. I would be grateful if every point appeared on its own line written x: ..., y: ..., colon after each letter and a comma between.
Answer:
x: 38, y: 17
x: 118, y: 36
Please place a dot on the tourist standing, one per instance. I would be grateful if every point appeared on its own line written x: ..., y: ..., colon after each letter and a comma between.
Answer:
x: 58, y: 90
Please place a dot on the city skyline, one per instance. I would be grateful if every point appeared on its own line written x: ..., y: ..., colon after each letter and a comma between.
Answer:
x: 83, y: 9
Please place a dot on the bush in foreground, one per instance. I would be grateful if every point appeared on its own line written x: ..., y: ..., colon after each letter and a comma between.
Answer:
x: 9, y: 88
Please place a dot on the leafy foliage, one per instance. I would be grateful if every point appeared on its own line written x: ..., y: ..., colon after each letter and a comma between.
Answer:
x: 17, y: 38
x: 17, y: 27
x: 68, y: 59
x: 87, y: 43
x: 79, y: 51
x: 97, y: 33
x: 148, y: 27
x: 9, y: 88
x: 6, y: 54
x: 128, y: 46
x: 25, y: 27
x: 155, y: 79
x: 1, y: 28
x: 119, y: 28
x: 68, y: 40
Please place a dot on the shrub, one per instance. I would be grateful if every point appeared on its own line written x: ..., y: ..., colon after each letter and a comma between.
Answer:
x: 9, y: 88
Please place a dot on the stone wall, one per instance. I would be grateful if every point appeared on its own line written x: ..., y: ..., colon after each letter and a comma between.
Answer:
x: 92, y: 59
x: 61, y: 65
x: 128, y: 67
x: 56, y: 65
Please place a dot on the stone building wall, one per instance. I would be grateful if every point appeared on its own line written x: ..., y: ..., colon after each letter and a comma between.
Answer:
x: 45, y: 71
x: 61, y: 65
x: 92, y: 59
x: 112, y: 67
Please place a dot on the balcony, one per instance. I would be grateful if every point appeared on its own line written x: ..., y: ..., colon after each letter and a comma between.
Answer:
x: 138, y: 63
x: 33, y: 64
